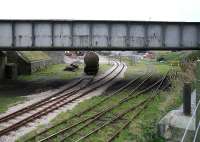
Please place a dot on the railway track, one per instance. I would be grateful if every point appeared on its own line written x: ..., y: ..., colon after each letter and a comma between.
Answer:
x: 86, y: 110
x: 138, y: 108
x: 145, y: 104
x: 37, y: 104
x: 57, y: 102
x: 51, y: 98
x: 95, y: 115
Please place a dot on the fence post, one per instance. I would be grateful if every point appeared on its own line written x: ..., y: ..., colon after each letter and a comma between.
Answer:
x: 187, y: 98
x: 197, y: 96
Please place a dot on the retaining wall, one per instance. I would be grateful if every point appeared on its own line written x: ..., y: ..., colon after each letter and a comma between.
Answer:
x: 57, y: 57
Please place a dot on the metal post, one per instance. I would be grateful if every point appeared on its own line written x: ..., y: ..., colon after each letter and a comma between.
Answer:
x: 52, y: 34
x: 163, y: 34
x: 90, y: 34
x: 13, y: 35
x: 109, y: 34
x: 187, y: 98
x: 72, y: 34
x: 181, y: 36
x: 198, y: 92
x: 131, y: 58
x: 33, y: 34
x: 127, y: 35
x: 198, y: 35
x: 146, y: 36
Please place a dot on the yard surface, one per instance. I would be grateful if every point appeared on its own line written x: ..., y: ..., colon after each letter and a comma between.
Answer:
x: 142, y: 129
x: 57, y: 72
x: 13, y: 92
x: 53, y: 72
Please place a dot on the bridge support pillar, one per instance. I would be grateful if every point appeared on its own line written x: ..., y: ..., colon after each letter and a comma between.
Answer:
x: 3, y: 61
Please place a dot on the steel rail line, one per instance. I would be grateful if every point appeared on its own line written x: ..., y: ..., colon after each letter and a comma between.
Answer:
x: 109, y: 109
x: 21, y: 111
x: 138, y: 113
x: 129, y: 97
x: 122, y: 114
x: 65, y: 129
x: 48, y: 99
x: 53, y: 107
x: 86, y: 110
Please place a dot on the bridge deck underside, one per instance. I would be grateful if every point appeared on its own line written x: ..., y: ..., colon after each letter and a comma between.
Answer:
x: 98, y: 35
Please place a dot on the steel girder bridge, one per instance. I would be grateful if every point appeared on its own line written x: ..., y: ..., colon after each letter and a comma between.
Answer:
x: 98, y: 35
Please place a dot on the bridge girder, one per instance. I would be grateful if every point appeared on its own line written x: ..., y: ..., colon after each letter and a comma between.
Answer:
x: 98, y: 35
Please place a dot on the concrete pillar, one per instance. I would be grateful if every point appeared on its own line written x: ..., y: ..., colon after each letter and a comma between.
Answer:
x: 11, y: 71
x: 198, y: 96
x: 2, y: 65
x: 187, y: 98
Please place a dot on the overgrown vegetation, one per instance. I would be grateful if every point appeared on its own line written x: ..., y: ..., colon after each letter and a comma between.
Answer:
x: 186, y: 60
x: 144, y: 128
x: 171, y: 56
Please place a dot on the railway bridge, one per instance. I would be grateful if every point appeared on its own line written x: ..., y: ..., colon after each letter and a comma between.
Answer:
x: 98, y: 35
x: 52, y: 35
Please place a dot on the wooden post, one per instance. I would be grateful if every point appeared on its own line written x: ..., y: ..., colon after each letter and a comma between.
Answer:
x: 187, y: 98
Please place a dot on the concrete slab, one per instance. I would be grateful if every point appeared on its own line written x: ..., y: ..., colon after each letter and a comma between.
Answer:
x: 172, y: 126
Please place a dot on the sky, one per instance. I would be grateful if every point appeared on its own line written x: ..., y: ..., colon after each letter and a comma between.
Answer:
x: 143, y: 10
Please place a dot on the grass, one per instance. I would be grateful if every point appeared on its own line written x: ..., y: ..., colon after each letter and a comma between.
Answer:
x: 104, y: 67
x: 142, y: 129
x: 53, y: 71
x: 162, y: 68
x: 135, y: 69
x: 57, y: 71
x: 172, y: 56
x: 34, y: 55
x: 9, y: 101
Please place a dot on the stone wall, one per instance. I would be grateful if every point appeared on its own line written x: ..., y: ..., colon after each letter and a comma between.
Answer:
x: 57, y: 57
x: 39, y: 65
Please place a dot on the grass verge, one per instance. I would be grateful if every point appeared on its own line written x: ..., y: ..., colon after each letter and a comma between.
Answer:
x: 57, y: 71
x: 9, y: 101
x: 53, y: 71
